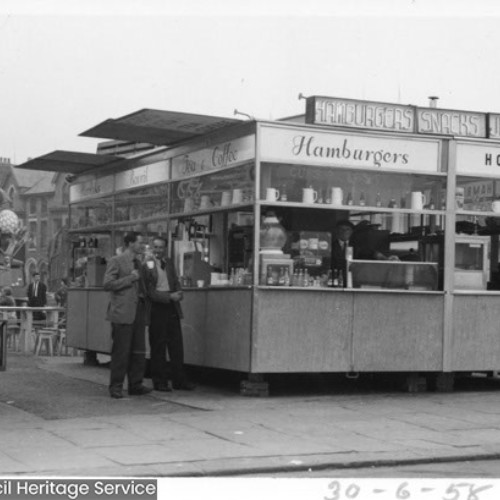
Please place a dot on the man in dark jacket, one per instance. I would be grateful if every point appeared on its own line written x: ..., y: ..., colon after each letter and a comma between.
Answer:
x: 128, y: 314
x: 37, y: 296
x: 164, y: 292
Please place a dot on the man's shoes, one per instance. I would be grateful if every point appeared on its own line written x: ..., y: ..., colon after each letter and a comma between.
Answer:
x: 142, y: 390
x: 162, y: 387
x: 116, y: 393
x: 184, y: 386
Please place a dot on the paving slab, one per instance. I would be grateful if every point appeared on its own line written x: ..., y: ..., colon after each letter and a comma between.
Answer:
x: 215, y: 432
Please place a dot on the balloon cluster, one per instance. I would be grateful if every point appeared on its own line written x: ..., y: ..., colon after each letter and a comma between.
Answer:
x: 9, y: 222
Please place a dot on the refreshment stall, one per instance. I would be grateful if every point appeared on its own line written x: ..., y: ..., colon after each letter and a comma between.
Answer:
x: 250, y: 211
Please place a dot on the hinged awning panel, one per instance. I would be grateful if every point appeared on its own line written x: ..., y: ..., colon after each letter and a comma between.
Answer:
x: 158, y: 127
x: 70, y: 162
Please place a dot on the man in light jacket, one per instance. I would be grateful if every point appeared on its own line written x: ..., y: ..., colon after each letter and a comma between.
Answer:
x: 128, y: 313
x: 165, y: 333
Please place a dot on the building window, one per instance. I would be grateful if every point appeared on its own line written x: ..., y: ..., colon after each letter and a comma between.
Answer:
x: 44, y: 233
x: 12, y: 195
x: 45, y: 207
x: 32, y: 206
x: 65, y: 194
x: 56, y: 225
x: 32, y: 233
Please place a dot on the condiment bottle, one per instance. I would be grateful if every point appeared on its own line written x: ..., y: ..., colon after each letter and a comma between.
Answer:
x: 270, y: 280
x: 329, y: 281
x: 286, y: 279
x: 281, y: 277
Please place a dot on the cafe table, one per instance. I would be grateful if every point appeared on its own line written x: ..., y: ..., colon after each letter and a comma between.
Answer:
x: 26, y: 321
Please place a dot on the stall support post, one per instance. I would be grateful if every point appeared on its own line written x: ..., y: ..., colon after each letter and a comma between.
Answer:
x: 3, y: 346
x: 445, y: 382
x: 416, y: 383
x: 255, y: 386
x: 449, y: 260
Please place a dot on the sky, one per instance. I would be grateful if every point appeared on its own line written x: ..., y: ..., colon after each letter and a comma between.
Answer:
x: 67, y: 65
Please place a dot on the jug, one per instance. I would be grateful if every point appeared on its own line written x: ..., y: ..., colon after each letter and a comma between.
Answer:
x: 226, y: 198
x: 205, y: 201
x: 188, y: 205
x: 337, y: 196
x: 272, y: 194
x: 417, y: 200
x: 237, y: 196
x: 309, y: 195
x: 459, y: 197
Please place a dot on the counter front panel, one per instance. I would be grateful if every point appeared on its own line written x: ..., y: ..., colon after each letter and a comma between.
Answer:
x: 476, y: 332
x: 87, y: 327
x: 397, y: 331
x: 300, y: 331
x: 217, y: 328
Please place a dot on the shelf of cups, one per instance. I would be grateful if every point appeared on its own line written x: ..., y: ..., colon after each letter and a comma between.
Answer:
x: 478, y: 213
x: 231, y: 206
x: 356, y: 208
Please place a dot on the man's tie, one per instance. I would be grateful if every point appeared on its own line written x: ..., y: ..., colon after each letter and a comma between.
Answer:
x: 35, y: 289
x: 163, y: 264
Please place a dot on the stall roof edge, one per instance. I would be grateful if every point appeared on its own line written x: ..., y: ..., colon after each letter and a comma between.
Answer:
x: 159, y: 127
x: 71, y: 162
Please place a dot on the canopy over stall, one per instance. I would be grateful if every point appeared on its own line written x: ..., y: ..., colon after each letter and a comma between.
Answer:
x: 71, y: 162
x: 158, y: 127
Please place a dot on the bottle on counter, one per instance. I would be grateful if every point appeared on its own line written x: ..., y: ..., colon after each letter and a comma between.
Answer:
x: 340, y: 277
x: 336, y: 278
x: 350, y: 201
x: 283, y: 195
x: 300, y: 278
x: 286, y: 278
x: 349, y: 280
x: 281, y: 277
x: 329, y: 279
x: 362, y: 200
x: 269, y: 279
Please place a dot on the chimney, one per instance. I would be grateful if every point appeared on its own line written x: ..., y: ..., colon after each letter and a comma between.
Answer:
x: 433, y: 99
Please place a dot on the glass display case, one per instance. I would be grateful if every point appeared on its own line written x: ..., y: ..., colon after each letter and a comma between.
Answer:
x: 337, y: 187
x: 89, y: 255
x: 230, y: 188
x: 92, y: 213
x: 144, y: 203
x: 377, y: 274
x: 392, y: 213
x: 472, y: 266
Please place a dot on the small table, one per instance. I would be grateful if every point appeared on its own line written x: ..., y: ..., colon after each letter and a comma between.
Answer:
x: 26, y: 317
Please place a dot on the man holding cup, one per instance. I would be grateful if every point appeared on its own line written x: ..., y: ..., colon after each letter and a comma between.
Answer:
x: 165, y: 293
x: 128, y: 314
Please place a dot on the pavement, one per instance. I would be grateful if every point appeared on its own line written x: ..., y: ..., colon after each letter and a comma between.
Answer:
x: 57, y: 419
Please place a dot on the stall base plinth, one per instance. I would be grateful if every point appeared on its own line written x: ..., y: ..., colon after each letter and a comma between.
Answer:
x: 416, y: 383
x: 254, y: 389
x: 445, y: 382
x: 90, y: 358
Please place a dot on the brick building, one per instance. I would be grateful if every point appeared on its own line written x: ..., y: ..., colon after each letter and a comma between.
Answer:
x: 40, y: 199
